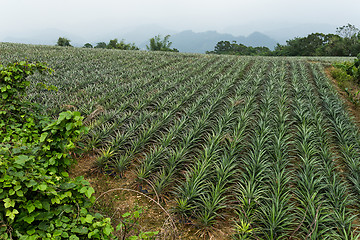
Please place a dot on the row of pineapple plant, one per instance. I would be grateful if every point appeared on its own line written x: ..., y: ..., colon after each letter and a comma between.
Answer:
x: 263, y: 142
x: 199, y: 197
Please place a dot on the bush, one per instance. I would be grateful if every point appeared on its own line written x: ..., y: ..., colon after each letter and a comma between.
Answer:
x: 341, y: 75
x: 351, y: 69
x: 38, y: 200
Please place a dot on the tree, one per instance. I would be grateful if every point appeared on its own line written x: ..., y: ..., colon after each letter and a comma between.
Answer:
x: 63, y: 42
x: 347, y: 31
x: 345, y: 43
x: 158, y: 44
x: 101, y: 45
x: 225, y: 47
x: 114, y: 44
x: 87, y: 45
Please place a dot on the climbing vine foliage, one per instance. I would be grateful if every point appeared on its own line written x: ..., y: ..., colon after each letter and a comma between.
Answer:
x: 38, y: 199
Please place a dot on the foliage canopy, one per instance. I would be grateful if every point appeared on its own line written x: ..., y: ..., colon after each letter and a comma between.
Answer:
x: 345, y: 43
x: 158, y: 44
x: 63, y: 42
x: 38, y: 200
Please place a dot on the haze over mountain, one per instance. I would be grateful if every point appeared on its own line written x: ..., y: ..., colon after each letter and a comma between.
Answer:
x: 189, y: 41
x: 280, y: 31
x: 136, y: 21
x: 186, y: 41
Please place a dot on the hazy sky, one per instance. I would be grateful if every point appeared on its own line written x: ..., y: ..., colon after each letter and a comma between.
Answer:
x: 84, y: 16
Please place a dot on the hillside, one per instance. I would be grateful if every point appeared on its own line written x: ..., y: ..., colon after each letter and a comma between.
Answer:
x: 249, y: 147
x: 189, y: 41
x: 185, y: 41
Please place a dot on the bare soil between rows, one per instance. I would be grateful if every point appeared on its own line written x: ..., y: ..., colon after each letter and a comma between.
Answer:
x: 153, y: 218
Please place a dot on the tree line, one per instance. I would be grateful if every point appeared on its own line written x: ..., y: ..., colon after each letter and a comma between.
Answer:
x: 156, y: 43
x: 346, y: 42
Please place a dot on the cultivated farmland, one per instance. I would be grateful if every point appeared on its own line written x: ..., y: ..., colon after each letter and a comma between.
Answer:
x: 262, y: 143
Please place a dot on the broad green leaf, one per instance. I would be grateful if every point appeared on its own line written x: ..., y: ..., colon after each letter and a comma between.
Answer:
x: 80, y: 230
x: 21, y: 159
x: 93, y: 233
x: 43, y: 136
x: 11, y: 214
x: 38, y: 204
x: 9, y: 202
x: 57, y: 232
x: 30, y: 207
x: 29, y: 219
x: 30, y: 232
x: 87, y: 190
x: 69, y: 126
x: 108, y: 230
x: 31, y: 183
x: 73, y: 237
x: 68, y: 185
x: 46, y: 205
x: 136, y: 214
x: 89, y: 218
x: 65, y: 235
x: 42, y: 187
x: 20, y: 193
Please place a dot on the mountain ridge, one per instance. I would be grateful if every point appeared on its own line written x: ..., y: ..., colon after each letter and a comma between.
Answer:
x: 184, y: 41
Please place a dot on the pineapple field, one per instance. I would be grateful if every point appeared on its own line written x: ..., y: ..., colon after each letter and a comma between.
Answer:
x: 264, y: 144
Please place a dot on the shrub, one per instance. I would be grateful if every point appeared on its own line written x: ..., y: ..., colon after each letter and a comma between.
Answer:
x: 351, y: 69
x: 38, y: 199
x: 340, y: 75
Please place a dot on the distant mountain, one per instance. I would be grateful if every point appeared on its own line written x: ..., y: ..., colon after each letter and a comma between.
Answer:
x: 268, y: 34
x: 139, y: 35
x: 279, y: 30
x: 189, y: 41
x: 257, y: 39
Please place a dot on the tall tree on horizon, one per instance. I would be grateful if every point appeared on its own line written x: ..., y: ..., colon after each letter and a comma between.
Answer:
x: 158, y: 44
x: 63, y: 42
